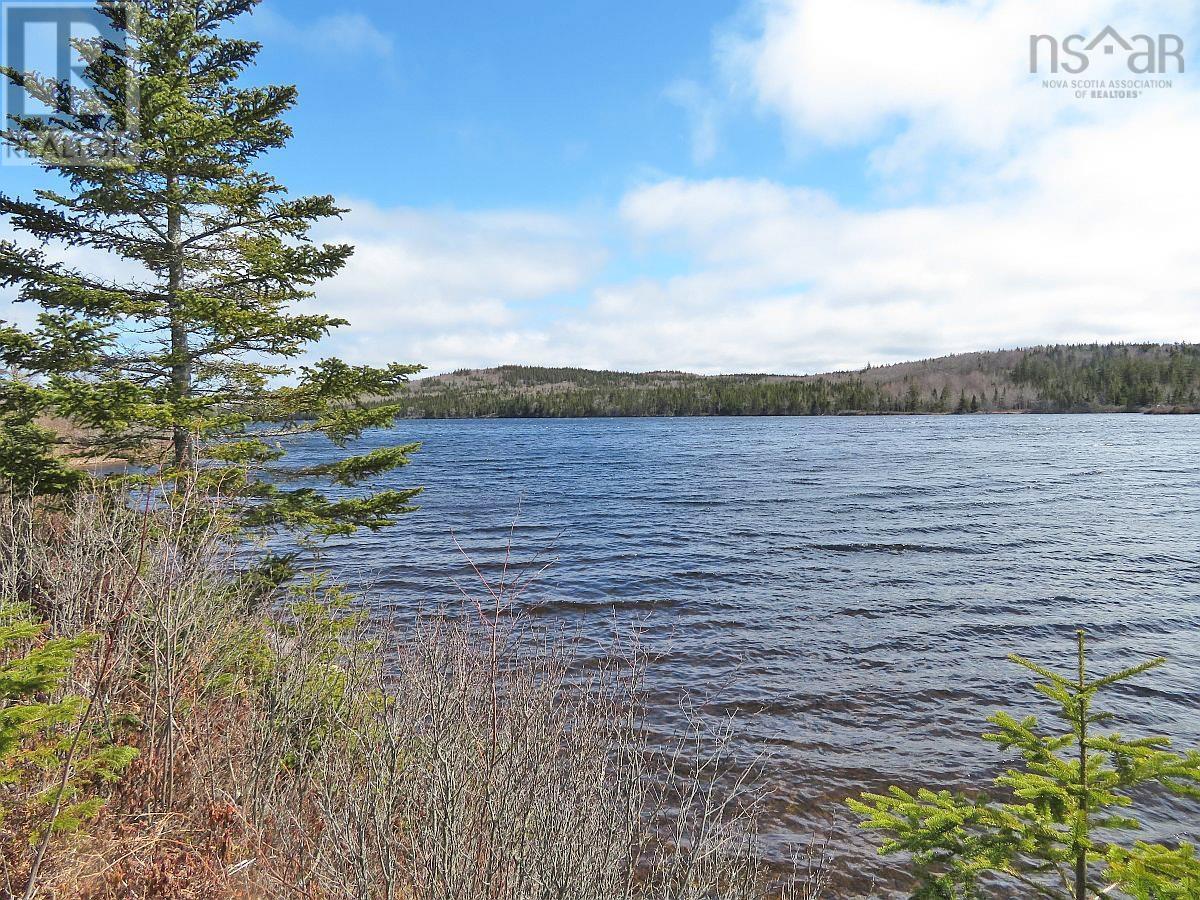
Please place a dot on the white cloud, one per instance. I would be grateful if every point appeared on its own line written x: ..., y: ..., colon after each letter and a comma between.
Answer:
x: 1047, y: 218
x: 1084, y: 233
x: 702, y: 114
x: 440, y: 287
x: 788, y: 279
x: 339, y: 35
x: 924, y: 77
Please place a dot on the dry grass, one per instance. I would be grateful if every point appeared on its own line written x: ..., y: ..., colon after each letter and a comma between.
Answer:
x: 304, y: 750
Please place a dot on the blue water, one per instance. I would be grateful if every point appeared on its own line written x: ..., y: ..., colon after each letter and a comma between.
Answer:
x: 846, y: 588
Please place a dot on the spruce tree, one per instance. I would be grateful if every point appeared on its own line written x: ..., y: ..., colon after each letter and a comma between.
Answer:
x: 1054, y: 830
x: 51, y: 758
x: 189, y: 360
x: 28, y: 460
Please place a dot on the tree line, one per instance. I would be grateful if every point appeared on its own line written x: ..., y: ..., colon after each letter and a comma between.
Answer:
x: 1123, y: 376
x: 1080, y: 378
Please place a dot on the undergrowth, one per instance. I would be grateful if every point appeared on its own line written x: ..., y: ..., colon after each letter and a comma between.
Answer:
x: 174, y: 728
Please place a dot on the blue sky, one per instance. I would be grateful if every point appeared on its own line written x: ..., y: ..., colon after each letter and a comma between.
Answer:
x: 558, y: 105
x: 552, y: 104
x: 732, y: 185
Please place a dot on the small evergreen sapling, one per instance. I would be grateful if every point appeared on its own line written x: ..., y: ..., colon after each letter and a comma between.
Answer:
x: 1053, y: 834
x: 50, y: 757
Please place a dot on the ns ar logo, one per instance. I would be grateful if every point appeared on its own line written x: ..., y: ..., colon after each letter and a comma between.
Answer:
x: 1144, y: 54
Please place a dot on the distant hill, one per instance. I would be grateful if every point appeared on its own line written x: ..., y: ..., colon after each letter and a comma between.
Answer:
x: 1061, y: 378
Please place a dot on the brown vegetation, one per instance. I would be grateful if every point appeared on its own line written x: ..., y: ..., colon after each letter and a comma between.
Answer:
x: 300, y: 749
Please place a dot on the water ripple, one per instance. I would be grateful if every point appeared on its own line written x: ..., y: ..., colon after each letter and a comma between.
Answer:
x: 846, y: 590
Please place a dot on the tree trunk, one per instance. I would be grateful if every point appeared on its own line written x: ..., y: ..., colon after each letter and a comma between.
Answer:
x: 181, y: 362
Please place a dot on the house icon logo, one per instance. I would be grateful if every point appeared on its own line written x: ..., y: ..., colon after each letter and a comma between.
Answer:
x: 1109, y: 38
x: 1144, y: 54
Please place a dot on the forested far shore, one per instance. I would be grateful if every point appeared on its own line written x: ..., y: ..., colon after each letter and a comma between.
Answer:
x: 1048, y: 379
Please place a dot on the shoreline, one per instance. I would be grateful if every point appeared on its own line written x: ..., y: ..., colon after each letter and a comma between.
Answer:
x: 849, y: 414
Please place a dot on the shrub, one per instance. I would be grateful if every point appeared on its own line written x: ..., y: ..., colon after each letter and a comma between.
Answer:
x: 292, y: 745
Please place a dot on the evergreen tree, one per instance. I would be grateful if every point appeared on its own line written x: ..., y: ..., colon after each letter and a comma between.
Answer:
x: 912, y: 398
x: 46, y: 742
x: 27, y: 458
x: 1054, y: 832
x: 182, y: 361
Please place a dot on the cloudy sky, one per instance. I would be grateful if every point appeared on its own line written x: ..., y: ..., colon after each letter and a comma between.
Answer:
x: 720, y: 186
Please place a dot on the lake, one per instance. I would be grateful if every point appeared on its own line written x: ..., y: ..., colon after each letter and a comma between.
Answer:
x: 846, y: 589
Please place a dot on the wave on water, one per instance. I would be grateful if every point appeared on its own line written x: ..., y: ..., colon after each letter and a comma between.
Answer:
x: 880, y: 547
